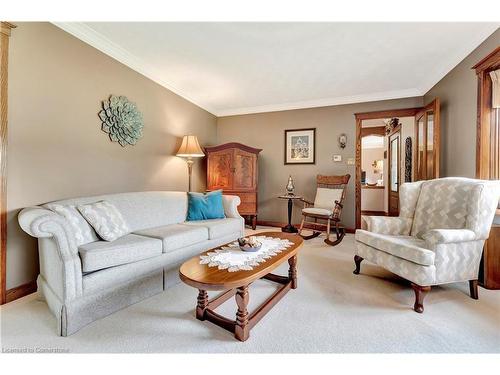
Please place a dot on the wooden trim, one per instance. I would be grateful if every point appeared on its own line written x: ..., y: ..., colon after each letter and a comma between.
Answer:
x: 373, y: 130
x: 374, y: 213
x: 491, y: 61
x: 232, y: 145
x: 357, y: 182
x: 396, y: 132
x: 21, y: 291
x: 484, y: 111
x: 406, y: 112
x: 278, y: 224
x: 372, y: 187
x: 5, y: 31
x: 489, y: 272
x: 437, y: 137
x: 332, y: 180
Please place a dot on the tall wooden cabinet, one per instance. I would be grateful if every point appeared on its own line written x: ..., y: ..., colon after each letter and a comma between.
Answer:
x: 233, y: 167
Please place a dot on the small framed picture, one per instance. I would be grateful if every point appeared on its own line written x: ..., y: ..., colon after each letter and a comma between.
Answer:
x: 300, y: 146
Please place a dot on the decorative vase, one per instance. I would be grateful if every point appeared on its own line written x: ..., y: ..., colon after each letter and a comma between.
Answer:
x: 289, y: 186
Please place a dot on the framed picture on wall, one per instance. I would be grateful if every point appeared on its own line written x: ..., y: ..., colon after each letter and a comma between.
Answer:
x: 300, y: 146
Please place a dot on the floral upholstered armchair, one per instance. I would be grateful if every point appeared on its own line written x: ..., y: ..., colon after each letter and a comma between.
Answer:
x: 438, y: 237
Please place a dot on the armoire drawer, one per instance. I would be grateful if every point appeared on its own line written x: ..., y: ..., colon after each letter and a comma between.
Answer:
x: 247, y: 208
x: 246, y: 197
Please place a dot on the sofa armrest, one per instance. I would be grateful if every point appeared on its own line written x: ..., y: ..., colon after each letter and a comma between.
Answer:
x: 442, y: 236
x: 231, y: 203
x: 395, y: 226
x: 42, y: 223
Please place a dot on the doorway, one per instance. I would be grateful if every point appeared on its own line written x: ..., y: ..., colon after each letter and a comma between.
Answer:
x: 406, y: 133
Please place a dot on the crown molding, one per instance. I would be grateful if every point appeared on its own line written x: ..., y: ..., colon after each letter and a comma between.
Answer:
x: 326, y: 102
x: 455, y: 59
x: 103, y: 44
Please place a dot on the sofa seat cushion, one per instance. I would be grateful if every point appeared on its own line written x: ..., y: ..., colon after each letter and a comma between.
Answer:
x: 218, y: 227
x: 126, y: 249
x: 176, y: 236
x: 405, y: 247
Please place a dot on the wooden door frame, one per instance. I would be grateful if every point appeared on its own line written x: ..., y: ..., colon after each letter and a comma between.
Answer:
x: 394, y: 131
x: 5, y: 31
x: 490, y: 270
x: 406, y: 112
x: 482, y: 68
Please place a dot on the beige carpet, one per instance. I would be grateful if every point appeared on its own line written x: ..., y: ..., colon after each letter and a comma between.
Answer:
x: 331, y: 311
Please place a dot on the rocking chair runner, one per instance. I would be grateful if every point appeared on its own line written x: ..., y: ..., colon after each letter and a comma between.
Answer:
x: 327, y: 205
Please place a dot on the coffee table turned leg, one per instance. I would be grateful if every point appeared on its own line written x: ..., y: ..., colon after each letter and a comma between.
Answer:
x: 242, y: 330
x: 292, y: 271
x: 202, y: 304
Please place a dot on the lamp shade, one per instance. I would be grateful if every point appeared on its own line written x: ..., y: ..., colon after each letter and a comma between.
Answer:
x: 190, y: 148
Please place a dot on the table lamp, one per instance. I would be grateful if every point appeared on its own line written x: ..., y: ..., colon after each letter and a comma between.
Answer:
x: 190, y: 148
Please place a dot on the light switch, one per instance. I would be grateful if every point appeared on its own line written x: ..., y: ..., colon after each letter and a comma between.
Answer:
x: 337, y: 157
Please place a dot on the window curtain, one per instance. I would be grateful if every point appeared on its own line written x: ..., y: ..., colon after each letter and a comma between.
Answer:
x: 495, y: 79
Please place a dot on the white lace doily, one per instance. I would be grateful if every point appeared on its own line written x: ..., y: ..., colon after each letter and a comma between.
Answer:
x: 232, y: 258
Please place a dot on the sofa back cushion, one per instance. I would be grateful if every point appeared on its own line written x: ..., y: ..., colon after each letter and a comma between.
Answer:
x: 142, y: 210
x: 485, y: 201
x: 105, y: 218
x: 445, y: 204
x: 408, y: 198
x: 205, y: 206
x: 82, y: 230
x: 325, y: 198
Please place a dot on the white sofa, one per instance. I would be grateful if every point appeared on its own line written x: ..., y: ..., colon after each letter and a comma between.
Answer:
x: 87, y: 282
x: 438, y: 237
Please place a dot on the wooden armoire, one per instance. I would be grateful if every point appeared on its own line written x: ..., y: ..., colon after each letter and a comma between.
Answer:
x: 233, y: 167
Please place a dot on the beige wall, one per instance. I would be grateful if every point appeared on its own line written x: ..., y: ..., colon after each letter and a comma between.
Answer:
x: 458, y: 94
x: 266, y: 131
x: 56, y: 148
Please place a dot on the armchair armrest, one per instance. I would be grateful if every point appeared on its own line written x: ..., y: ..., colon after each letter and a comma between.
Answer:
x: 42, y: 223
x: 307, y: 203
x: 441, y: 236
x: 395, y: 226
x: 231, y: 203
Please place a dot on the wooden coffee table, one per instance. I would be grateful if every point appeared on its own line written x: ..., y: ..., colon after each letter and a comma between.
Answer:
x: 205, y: 278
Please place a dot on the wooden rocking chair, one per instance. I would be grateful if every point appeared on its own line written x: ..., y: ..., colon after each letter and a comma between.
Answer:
x: 327, y: 205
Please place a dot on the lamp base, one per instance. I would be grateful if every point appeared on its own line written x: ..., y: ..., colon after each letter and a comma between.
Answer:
x: 190, y: 163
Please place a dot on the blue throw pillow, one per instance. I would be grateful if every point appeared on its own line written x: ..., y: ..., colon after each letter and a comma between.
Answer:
x: 204, y: 206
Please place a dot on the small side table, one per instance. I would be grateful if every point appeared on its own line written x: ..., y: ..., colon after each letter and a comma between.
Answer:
x: 289, y: 228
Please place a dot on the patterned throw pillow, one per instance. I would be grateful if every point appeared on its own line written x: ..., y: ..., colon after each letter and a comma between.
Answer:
x: 84, y: 233
x: 105, y: 218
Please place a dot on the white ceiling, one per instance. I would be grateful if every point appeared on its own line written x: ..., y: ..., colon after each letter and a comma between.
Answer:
x: 237, y: 68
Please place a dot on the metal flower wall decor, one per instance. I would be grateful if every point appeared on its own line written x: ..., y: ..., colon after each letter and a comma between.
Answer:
x: 121, y: 120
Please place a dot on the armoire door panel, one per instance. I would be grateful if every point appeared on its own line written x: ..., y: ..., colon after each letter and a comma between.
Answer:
x: 220, y: 170
x: 245, y: 174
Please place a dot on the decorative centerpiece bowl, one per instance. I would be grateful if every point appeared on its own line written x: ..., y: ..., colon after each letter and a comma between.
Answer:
x: 249, y: 244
